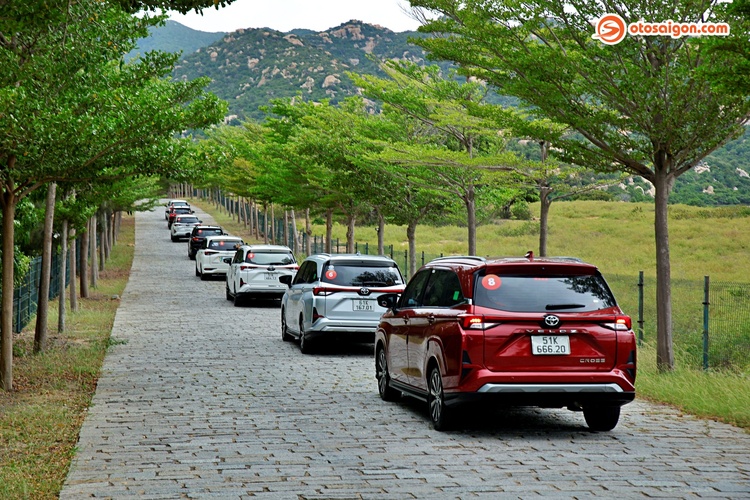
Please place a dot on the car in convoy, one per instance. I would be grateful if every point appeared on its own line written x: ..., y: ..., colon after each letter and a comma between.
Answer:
x: 543, y: 332
x: 209, y: 260
x: 174, y: 203
x: 175, y: 211
x: 333, y: 296
x: 183, y: 225
x: 255, y: 271
x: 198, y: 234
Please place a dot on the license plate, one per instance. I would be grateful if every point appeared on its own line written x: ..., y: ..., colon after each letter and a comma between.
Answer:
x: 269, y: 276
x: 363, y: 305
x: 550, y: 344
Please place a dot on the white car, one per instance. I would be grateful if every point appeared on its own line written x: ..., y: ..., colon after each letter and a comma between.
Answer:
x: 254, y: 271
x: 174, y: 203
x: 183, y: 225
x: 209, y: 259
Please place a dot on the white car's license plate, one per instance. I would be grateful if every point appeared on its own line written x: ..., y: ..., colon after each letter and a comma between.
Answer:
x: 363, y: 305
x: 269, y: 276
x: 550, y: 344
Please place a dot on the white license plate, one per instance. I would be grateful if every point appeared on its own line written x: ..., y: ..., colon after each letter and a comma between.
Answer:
x: 269, y: 276
x: 550, y: 344
x: 363, y: 305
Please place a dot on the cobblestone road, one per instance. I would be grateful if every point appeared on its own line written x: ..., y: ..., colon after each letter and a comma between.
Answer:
x: 199, y: 399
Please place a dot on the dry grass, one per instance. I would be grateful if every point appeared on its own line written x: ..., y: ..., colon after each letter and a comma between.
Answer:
x: 41, y: 418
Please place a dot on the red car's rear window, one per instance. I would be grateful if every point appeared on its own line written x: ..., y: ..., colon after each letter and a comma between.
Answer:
x: 542, y: 293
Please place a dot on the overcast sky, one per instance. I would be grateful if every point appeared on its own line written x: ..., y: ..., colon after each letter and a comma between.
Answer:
x: 286, y: 15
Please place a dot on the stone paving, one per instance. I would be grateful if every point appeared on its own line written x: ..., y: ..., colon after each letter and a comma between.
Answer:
x: 199, y: 399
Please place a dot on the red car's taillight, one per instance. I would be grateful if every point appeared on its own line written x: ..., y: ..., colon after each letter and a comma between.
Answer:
x: 473, y: 322
x: 621, y: 324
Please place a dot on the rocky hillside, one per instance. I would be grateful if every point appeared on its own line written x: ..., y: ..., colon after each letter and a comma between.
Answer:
x: 251, y: 66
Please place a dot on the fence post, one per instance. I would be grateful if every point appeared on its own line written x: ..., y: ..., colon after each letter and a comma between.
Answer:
x: 367, y: 248
x: 356, y: 247
x: 391, y: 251
x: 423, y: 257
x: 705, y: 322
x: 640, y: 308
x: 406, y: 259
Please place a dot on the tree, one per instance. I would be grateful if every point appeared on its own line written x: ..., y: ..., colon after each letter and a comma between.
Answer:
x: 453, y: 145
x: 70, y: 110
x: 645, y: 105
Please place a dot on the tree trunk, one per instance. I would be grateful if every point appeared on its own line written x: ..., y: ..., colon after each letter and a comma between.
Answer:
x: 62, y: 301
x: 42, y: 311
x: 546, y: 201
x: 295, y: 235
x: 103, y: 231
x: 664, y: 352
x: 308, y: 232
x: 381, y: 235
x: 273, y: 225
x: 265, y: 223
x: 329, y: 230
x: 351, y: 219
x: 471, y: 220
x: 73, y: 271
x: 93, y: 252
x: 9, y: 202
x: 84, y: 259
x: 411, y: 236
x: 256, y: 216
x: 286, y: 228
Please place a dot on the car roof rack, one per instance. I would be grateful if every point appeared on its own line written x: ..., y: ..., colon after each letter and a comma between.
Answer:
x: 453, y: 257
x: 566, y: 258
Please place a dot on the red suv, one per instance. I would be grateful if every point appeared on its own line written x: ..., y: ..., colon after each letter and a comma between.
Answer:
x: 541, y: 332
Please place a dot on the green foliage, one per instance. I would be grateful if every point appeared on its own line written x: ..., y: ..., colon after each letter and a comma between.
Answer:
x: 661, y: 100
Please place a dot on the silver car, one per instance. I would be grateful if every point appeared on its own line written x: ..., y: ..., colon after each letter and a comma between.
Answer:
x: 254, y: 271
x: 335, y: 296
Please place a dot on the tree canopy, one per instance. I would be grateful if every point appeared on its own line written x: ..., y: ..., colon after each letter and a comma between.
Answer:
x: 648, y: 105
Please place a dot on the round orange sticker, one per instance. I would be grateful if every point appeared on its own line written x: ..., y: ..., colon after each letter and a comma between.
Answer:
x: 331, y: 274
x: 491, y: 282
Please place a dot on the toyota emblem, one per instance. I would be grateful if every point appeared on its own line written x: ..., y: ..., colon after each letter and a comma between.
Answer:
x: 552, y: 321
x: 364, y: 291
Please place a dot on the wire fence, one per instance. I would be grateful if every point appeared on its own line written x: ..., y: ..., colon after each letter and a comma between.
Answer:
x: 26, y: 295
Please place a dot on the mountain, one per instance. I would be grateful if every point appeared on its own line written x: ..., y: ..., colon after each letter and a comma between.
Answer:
x: 251, y: 66
x: 175, y: 37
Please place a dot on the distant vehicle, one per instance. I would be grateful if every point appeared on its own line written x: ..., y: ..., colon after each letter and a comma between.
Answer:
x: 515, y: 331
x: 209, y: 260
x: 255, y: 271
x: 333, y: 296
x: 198, y: 234
x: 175, y: 211
x: 183, y: 226
x: 174, y: 203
